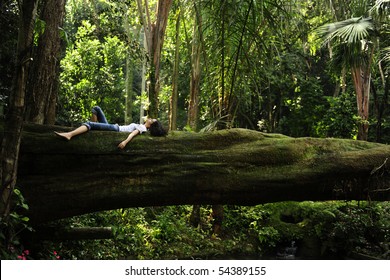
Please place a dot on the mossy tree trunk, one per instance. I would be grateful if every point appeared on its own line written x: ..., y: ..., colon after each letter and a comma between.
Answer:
x: 13, y: 127
x: 237, y: 166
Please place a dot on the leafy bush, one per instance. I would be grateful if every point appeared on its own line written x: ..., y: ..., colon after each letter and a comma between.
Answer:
x: 11, y: 228
x: 340, y: 121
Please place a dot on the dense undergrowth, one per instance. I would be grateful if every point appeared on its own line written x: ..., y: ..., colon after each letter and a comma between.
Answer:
x: 317, y: 230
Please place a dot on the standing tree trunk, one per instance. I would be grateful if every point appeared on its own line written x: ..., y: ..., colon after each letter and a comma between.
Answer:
x: 129, y: 91
x: 129, y: 76
x: 143, y: 83
x: 45, y: 70
x: 175, y: 79
x: 361, y: 80
x: 193, y: 105
x: 155, y: 38
x: 222, y: 108
x: 14, y: 121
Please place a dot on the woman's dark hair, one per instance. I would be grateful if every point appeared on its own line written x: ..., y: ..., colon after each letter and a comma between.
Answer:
x: 156, y: 129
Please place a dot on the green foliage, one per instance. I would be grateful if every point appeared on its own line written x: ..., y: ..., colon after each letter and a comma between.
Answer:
x: 92, y: 74
x: 306, y: 108
x: 11, y: 227
x: 272, y: 71
x: 39, y: 29
x: 320, y: 230
x: 94, y: 66
x: 9, y: 29
x: 260, y: 61
x: 340, y: 119
x: 366, y: 227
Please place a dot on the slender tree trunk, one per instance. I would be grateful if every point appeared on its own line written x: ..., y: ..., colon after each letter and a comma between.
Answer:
x: 143, y: 83
x: 192, y: 120
x: 155, y: 38
x: 218, y: 215
x: 223, y: 44
x: 14, y: 120
x: 195, y: 216
x: 129, y: 78
x: 175, y: 79
x: 343, y: 80
x: 193, y: 106
x: 45, y: 70
x: 129, y: 90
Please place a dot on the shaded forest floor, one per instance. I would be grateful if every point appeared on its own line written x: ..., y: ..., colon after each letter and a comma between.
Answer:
x: 287, y: 230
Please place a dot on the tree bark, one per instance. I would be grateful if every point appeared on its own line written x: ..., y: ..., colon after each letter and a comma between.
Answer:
x: 45, y: 70
x: 155, y: 38
x: 13, y: 127
x: 362, y: 88
x: 175, y: 78
x: 362, y: 78
x: 61, y: 179
x: 193, y: 103
x: 129, y: 91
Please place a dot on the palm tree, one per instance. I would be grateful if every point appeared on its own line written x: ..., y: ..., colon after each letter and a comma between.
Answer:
x: 354, y: 47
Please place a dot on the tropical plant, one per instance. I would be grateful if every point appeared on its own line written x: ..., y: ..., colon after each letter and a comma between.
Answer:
x: 354, y: 46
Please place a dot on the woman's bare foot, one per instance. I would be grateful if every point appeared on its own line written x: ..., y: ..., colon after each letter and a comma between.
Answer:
x: 65, y: 135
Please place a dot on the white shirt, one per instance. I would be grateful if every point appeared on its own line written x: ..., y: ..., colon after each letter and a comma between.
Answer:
x: 133, y: 126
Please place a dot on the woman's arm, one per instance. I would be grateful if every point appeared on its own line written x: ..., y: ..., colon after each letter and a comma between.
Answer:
x: 128, y: 139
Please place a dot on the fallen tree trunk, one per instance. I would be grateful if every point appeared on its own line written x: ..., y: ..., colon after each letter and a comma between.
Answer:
x: 61, y: 179
x: 81, y: 233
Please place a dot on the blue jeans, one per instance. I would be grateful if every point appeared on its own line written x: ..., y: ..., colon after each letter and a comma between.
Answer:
x: 102, y: 123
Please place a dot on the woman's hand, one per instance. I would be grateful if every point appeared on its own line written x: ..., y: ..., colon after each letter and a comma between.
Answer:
x: 122, y: 145
x: 128, y: 139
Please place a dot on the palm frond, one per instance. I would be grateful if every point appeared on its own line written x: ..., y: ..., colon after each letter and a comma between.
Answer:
x: 350, y: 31
x: 381, y: 6
x: 214, y: 124
x: 386, y: 54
